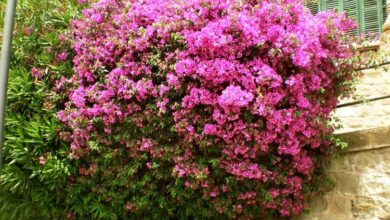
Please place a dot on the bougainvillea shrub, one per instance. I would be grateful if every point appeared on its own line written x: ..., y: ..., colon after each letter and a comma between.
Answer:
x: 202, y: 108
x: 173, y: 110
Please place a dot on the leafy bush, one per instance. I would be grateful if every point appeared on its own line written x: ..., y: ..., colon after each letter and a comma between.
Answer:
x: 36, y: 162
x: 203, y: 108
x: 198, y: 109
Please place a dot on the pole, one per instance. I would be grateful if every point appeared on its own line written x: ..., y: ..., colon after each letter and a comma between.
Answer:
x: 4, y: 67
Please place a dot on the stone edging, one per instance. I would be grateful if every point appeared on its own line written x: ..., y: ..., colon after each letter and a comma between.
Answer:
x: 368, y: 139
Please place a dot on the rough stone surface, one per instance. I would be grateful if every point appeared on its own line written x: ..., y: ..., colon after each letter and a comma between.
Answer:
x: 362, y: 172
x: 374, y: 83
x: 362, y: 176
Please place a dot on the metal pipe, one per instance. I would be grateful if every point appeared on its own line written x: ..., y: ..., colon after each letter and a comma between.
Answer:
x: 4, y: 67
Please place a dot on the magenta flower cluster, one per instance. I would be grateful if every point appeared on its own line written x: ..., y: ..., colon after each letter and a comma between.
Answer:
x: 246, y: 87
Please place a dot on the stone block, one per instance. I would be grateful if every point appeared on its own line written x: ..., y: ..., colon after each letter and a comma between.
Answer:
x: 335, y: 217
x: 346, y: 183
x: 361, y: 161
x: 363, y: 208
x: 341, y: 204
x: 318, y: 203
x: 367, y: 139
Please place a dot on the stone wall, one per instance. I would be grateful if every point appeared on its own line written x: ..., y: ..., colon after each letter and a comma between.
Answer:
x: 362, y: 172
x: 374, y: 83
x: 362, y: 176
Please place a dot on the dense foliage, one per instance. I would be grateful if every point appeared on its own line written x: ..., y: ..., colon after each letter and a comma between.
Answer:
x: 36, y: 162
x: 174, y: 110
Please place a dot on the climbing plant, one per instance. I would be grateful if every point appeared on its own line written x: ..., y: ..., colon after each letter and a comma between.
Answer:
x: 165, y: 109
